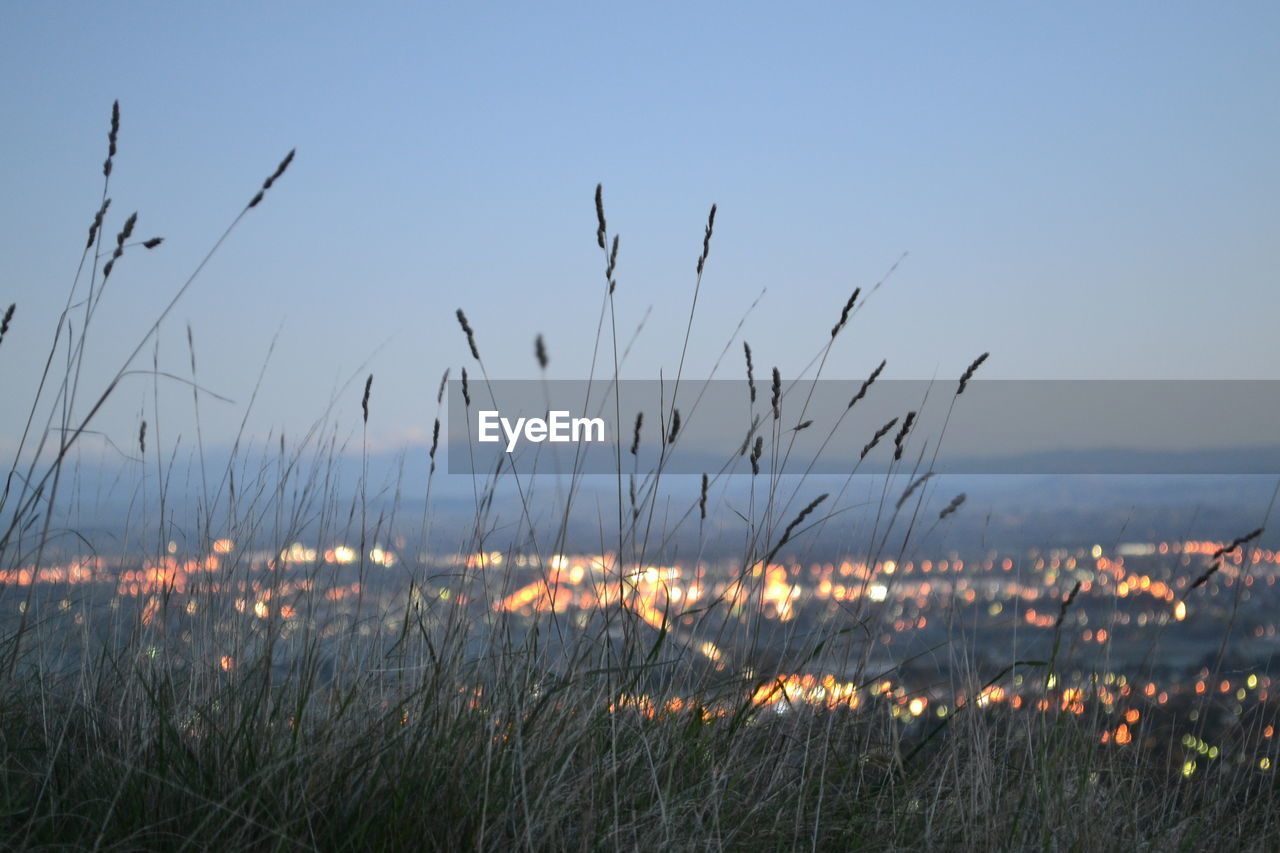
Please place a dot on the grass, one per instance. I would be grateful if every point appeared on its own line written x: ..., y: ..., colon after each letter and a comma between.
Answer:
x: 185, y: 717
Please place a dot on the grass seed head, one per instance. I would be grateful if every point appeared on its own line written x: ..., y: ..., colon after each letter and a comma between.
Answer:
x: 866, y: 384
x: 875, y: 439
x: 899, y: 440
x: 635, y: 438
x: 968, y: 374
x: 97, y: 222
x: 273, y: 177
x: 844, y: 314
x: 1237, y: 542
x: 126, y: 232
x: 8, y: 317
x: 112, y: 136
x: 911, y: 489
x: 600, y: 223
x: 796, y: 522
x: 444, y: 380
x: 952, y: 507
x: 1066, y: 602
x: 706, y: 239
x: 540, y: 351
x: 470, y: 333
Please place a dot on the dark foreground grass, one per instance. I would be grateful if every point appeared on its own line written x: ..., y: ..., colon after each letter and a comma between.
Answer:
x: 137, y: 760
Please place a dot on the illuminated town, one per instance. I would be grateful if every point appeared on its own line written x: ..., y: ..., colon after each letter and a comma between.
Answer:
x: 1124, y: 634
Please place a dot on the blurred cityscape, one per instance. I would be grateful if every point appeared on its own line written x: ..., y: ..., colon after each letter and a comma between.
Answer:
x: 1123, y: 633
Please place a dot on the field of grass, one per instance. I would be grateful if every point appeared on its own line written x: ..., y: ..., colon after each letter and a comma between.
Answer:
x: 194, y: 722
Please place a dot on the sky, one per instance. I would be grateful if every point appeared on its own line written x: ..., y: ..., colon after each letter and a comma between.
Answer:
x: 1085, y: 190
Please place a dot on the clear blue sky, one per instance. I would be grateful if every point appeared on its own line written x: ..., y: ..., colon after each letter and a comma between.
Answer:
x: 1085, y: 190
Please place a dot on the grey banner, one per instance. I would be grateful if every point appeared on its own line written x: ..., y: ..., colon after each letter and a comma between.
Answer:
x: 993, y: 427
